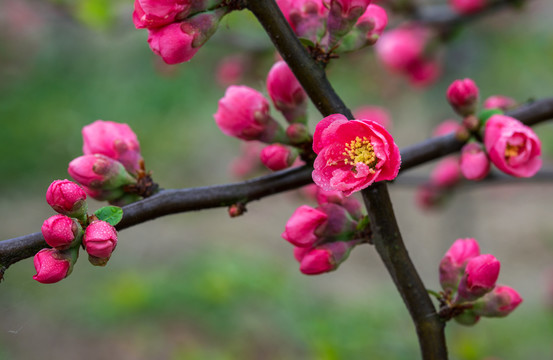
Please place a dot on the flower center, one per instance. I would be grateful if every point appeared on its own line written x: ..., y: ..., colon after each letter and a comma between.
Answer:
x: 360, y: 151
x: 512, y: 150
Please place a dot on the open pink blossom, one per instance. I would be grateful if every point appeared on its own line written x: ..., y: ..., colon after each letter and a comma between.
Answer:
x: 512, y: 146
x: 51, y: 266
x: 353, y: 154
x: 467, y: 6
x: 67, y: 198
x: 455, y: 260
x: 499, y: 102
x: 114, y: 140
x: 474, y: 162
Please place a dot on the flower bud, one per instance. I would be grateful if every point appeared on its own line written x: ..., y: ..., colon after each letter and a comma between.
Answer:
x: 53, y: 265
x: 67, y: 198
x: 172, y: 43
x: 351, y: 204
x: 452, y: 265
x: 300, y: 228
x: 277, y: 157
x: 503, y: 103
x: 298, y: 133
x: 244, y: 113
x: 156, y: 13
x: 474, y: 163
x: 114, y: 140
x: 342, y: 16
x: 447, y: 173
x: 287, y: 93
x: 480, y: 276
x: 463, y: 96
x: 367, y: 29
x: 326, y: 257
x: 466, y: 7
x: 61, y: 231
x: 100, y: 239
x: 447, y: 127
x: 306, y: 17
x: 300, y: 252
x: 99, y: 172
x: 500, y: 302
x: 339, y: 224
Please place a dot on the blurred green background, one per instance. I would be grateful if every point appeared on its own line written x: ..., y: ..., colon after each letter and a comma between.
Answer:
x: 204, y: 286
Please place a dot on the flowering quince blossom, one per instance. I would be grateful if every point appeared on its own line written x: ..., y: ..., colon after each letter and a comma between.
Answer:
x: 157, y: 13
x: 51, y: 266
x: 454, y: 261
x: 61, y: 231
x: 467, y: 6
x: 463, y: 96
x: 375, y: 113
x: 173, y: 43
x: 286, y: 92
x: 100, y: 239
x: 277, y: 157
x: 500, y: 302
x: 447, y: 172
x: 66, y: 198
x: 375, y: 20
x: 324, y: 258
x: 302, y: 225
x: 474, y: 162
x: 480, y: 276
x: 306, y: 17
x: 114, y: 140
x: 351, y: 155
x: 501, y: 102
x: 512, y: 146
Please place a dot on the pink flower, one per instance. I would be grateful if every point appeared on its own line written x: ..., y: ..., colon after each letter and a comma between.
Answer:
x: 463, y: 96
x: 114, y: 140
x: 467, y: 6
x: 100, y: 239
x: 300, y: 252
x: 298, y: 133
x: 61, y: 231
x: 67, y: 198
x: 351, y: 204
x: 349, y: 6
x: 306, y: 17
x: 51, y: 266
x: 447, y: 172
x: 499, y: 102
x: 500, y: 302
x: 480, y: 276
x: 277, y: 157
x: 374, y: 113
x: 474, y: 163
x: 513, y: 147
x: 99, y: 172
x: 302, y: 226
x: 173, y: 43
x: 156, y: 13
x: 454, y: 261
x: 423, y: 73
x: 353, y: 154
x: 244, y: 113
x: 400, y: 48
x: 326, y: 257
x: 286, y: 92
x: 230, y: 70
x: 374, y: 21
x: 447, y: 127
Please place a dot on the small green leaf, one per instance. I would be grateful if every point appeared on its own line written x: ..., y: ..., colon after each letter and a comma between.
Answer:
x: 486, y: 114
x: 110, y: 214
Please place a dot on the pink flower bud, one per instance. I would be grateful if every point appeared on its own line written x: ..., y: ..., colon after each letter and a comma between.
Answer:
x: 53, y: 265
x: 277, y: 157
x: 156, y: 13
x: 351, y: 204
x: 230, y: 70
x: 300, y: 228
x: 503, y: 103
x: 373, y: 22
x: 67, y: 198
x: 100, y: 239
x: 423, y: 72
x: 513, y: 147
x: 480, y: 276
x: 452, y: 265
x: 474, y: 163
x: 99, y: 172
x: 286, y: 92
x: 463, y: 96
x: 343, y: 15
x: 500, y: 302
x: 447, y: 172
x: 401, y: 47
x: 172, y: 43
x: 300, y: 252
x: 61, y: 231
x: 244, y: 113
x: 114, y: 140
x: 306, y: 17
x: 326, y: 257
x: 298, y: 133
x: 374, y: 113
x: 446, y: 127
x: 339, y: 224
x: 467, y: 6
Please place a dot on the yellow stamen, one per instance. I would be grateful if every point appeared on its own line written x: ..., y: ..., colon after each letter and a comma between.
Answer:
x: 360, y: 151
x: 512, y: 150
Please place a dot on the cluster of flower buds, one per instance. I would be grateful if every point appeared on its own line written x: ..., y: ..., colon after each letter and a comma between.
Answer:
x: 112, y: 167
x: 244, y: 113
x: 324, y: 236
x: 342, y: 25
x: 178, y: 28
x: 410, y: 50
x: 466, y: 7
x: 468, y: 279
x: 68, y: 230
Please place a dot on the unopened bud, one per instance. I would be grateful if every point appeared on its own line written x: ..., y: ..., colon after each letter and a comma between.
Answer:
x: 99, y: 172
x: 53, y: 265
x: 501, y: 301
x: 326, y: 257
x: 100, y: 239
x: 452, y: 265
x: 463, y: 96
x: 474, y: 162
x: 67, y: 198
x: 61, y: 231
x: 480, y: 276
x: 278, y: 157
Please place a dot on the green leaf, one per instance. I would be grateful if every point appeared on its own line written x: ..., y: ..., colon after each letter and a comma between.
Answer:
x: 110, y: 214
x: 486, y: 114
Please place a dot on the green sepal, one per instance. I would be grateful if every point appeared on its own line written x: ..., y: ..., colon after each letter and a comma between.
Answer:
x: 110, y: 214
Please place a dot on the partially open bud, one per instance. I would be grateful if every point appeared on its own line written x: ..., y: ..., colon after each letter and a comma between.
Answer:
x: 326, y: 257
x: 480, y: 276
x: 463, y: 96
x: 342, y: 16
x: 61, y: 231
x: 367, y: 29
x: 99, y: 172
x: 306, y: 17
x: 287, y: 93
x: 53, y: 265
x: 67, y: 198
x: 501, y: 301
x: 114, y: 140
x: 452, y: 265
x: 99, y: 240
x: 474, y: 163
x: 447, y: 172
x: 300, y: 228
x: 244, y: 113
x: 277, y: 156
x: 351, y: 204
